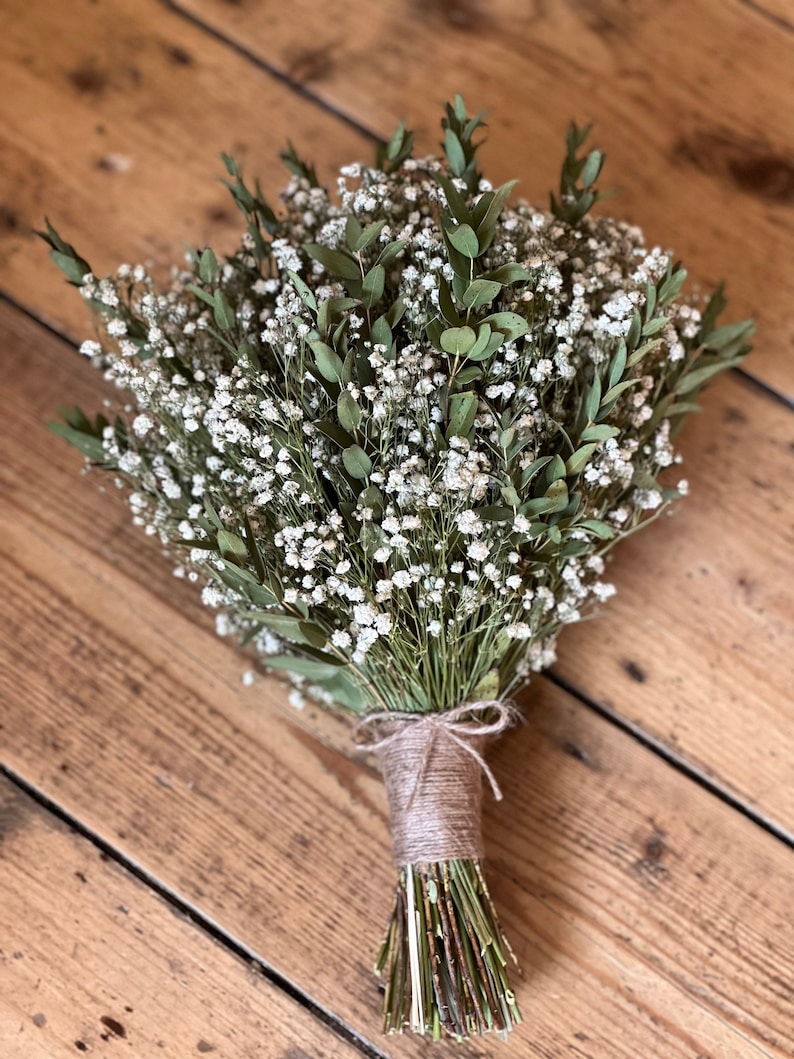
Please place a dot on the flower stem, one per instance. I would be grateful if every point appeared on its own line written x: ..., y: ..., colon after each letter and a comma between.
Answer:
x: 444, y: 958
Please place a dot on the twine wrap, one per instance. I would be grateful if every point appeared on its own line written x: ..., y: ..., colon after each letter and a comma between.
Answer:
x: 432, y: 765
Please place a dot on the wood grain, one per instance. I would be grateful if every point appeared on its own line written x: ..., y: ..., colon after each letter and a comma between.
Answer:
x: 112, y: 123
x: 697, y: 648
x: 93, y: 962
x: 694, y: 104
x: 617, y: 878
x: 700, y: 638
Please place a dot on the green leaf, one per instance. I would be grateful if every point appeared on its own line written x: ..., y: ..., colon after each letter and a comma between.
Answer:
x: 224, y: 314
x: 213, y: 515
x: 716, y: 305
x: 464, y: 239
x: 457, y: 341
x: 644, y: 349
x: 202, y: 295
x: 592, y: 167
x: 348, y: 410
x: 577, y: 462
x: 480, y: 292
x: 373, y: 285
x: 509, y: 273
x: 634, y: 332
x: 595, y: 526
x: 511, y: 325
x: 371, y: 537
x: 555, y: 469
x: 698, y: 376
x: 305, y: 293
x: 455, y: 201
x: 368, y: 236
x: 672, y: 286
x: 529, y: 472
x: 328, y: 362
x: 509, y: 495
x: 290, y: 628
x: 335, y: 432
x: 357, y: 462
x: 463, y: 411
x: 208, y: 266
x: 396, y: 142
x: 463, y: 378
x: 592, y: 401
x: 305, y: 667
x: 335, y: 262
x: 618, y: 365
x: 495, y: 513
x: 723, y: 336
x: 345, y: 691
x: 615, y: 391
x: 89, y: 445
x: 396, y: 313
x: 487, y: 226
x: 391, y: 250
x: 540, y: 506
x: 558, y: 493
x: 381, y: 333
x: 681, y: 408
x: 454, y: 152
x: 72, y: 268
x: 654, y: 326
x: 487, y: 689
x: 352, y: 231
x: 650, y: 300
x: 446, y: 303
x: 599, y: 432
x: 507, y: 437
x: 232, y: 547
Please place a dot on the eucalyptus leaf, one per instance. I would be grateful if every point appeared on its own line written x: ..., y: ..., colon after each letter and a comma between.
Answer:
x: 457, y: 341
x: 511, y: 325
x: 232, y: 547
x: 480, y: 292
x: 463, y: 411
x: 328, y: 361
x: 357, y: 462
x: 464, y: 239
x: 336, y: 262
x: 304, y: 667
x: 373, y: 285
x: 349, y: 411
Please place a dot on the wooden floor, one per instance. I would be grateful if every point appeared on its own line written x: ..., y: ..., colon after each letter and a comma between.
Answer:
x: 191, y: 866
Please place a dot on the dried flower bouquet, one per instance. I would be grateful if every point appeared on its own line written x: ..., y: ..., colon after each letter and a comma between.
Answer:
x: 394, y: 437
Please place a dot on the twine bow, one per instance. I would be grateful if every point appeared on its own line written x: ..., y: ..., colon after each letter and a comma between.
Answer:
x: 435, y: 812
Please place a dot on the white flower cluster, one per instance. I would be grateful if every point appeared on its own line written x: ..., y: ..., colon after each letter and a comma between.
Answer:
x: 315, y: 439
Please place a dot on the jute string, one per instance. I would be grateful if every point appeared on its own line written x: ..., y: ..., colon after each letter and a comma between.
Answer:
x: 432, y: 766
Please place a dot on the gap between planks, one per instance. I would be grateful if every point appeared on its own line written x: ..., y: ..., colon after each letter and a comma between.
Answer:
x: 194, y: 914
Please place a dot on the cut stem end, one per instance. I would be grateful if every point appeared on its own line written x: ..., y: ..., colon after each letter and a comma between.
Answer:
x: 444, y: 958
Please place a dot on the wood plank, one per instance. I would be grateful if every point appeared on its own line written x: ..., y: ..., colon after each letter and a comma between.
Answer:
x: 697, y: 648
x: 632, y: 896
x: 112, y: 123
x: 692, y: 104
x: 707, y: 629
x: 91, y: 960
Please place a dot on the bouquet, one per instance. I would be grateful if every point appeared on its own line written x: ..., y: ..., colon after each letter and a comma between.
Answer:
x: 394, y: 437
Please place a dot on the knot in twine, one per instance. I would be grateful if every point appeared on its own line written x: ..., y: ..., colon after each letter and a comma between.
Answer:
x: 432, y: 765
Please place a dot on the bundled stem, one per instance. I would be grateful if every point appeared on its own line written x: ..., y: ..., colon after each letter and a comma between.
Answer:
x: 444, y: 958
